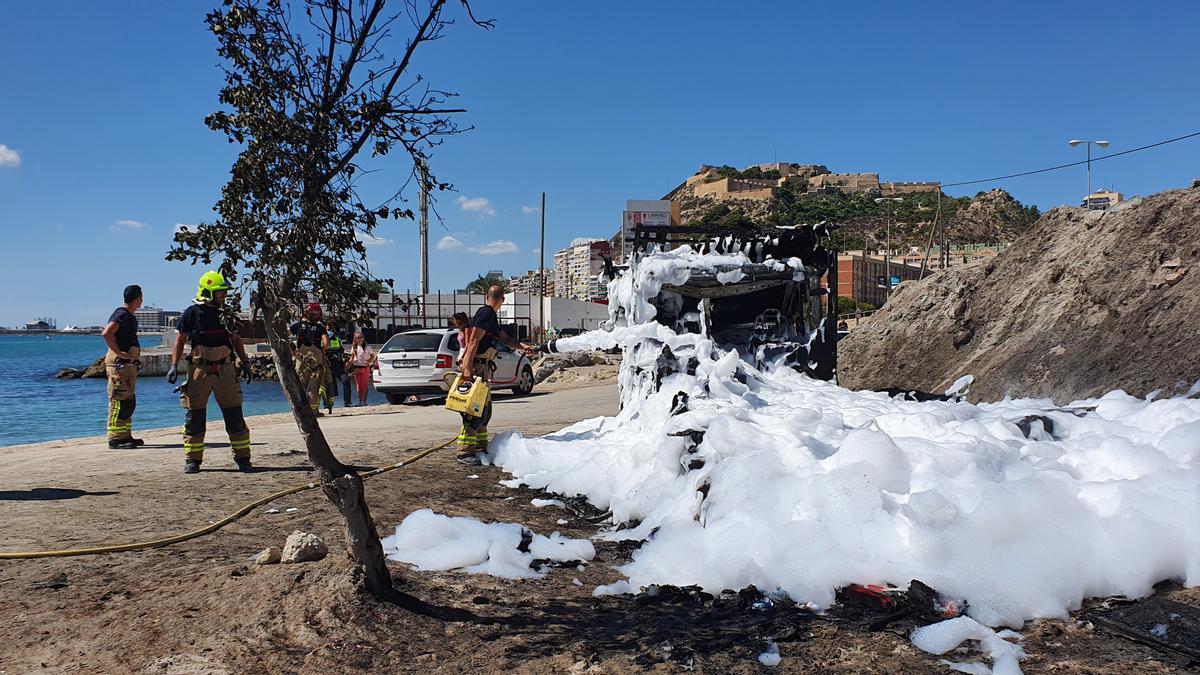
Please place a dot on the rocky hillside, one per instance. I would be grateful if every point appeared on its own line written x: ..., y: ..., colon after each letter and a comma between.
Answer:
x: 993, y: 216
x: 989, y: 217
x: 1084, y: 303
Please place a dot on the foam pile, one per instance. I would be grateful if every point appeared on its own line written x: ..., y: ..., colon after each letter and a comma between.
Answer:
x: 433, y: 542
x: 944, y: 636
x: 737, y: 476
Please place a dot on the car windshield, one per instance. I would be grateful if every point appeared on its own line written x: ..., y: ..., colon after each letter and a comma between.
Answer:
x: 413, y: 342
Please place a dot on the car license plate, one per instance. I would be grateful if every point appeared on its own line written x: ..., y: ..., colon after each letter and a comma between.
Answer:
x: 406, y: 363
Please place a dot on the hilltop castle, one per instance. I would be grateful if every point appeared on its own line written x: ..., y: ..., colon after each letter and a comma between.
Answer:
x: 713, y: 183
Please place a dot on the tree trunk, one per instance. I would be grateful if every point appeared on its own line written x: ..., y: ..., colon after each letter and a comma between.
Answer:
x: 340, y: 484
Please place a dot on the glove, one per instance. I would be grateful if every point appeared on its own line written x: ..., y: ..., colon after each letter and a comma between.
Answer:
x: 246, y: 373
x: 172, y: 374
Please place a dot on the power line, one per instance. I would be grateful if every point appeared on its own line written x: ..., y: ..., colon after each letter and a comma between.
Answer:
x: 1064, y: 166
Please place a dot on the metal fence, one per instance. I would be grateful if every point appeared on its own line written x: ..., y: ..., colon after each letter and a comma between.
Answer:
x: 402, y: 311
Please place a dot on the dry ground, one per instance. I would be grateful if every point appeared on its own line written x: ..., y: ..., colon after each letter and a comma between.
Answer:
x: 201, y: 607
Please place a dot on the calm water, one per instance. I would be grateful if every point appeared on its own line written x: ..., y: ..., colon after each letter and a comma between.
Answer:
x: 36, y: 407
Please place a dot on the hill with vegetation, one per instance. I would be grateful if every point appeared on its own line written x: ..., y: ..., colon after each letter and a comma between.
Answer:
x: 988, y: 217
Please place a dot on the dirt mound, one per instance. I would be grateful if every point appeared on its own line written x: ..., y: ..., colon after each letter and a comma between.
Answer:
x: 1084, y: 303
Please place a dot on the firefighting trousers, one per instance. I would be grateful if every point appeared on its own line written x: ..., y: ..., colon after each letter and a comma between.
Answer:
x: 122, y: 394
x: 473, y: 437
x: 212, y: 372
x: 313, y: 370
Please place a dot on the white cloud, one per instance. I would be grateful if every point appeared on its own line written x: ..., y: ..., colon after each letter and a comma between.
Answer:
x: 9, y: 158
x: 448, y: 243
x: 529, y: 209
x: 127, y: 225
x: 372, y: 240
x: 498, y: 247
x: 479, y: 205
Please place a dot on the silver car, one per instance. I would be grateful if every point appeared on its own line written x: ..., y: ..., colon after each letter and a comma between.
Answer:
x: 423, y: 362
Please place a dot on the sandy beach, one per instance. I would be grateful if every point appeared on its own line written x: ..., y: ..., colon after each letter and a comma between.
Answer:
x: 202, y: 607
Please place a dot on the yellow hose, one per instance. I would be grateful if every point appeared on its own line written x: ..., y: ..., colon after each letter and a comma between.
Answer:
x: 213, y: 527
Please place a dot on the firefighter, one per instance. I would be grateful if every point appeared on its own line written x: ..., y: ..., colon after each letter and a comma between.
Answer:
x: 478, y: 358
x: 211, y: 370
x: 121, y: 364
x: 311, y: 367
x: 335, y: 356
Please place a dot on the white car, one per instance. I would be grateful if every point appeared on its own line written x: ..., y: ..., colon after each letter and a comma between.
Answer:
x: 421, y: 362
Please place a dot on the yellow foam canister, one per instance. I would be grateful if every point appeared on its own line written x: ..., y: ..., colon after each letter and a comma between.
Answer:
x: 467, y: 398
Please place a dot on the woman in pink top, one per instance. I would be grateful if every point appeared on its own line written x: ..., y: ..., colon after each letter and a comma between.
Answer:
x: 362, y: 360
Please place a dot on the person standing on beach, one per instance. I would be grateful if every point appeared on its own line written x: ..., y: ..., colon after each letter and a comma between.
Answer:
x: 335, y: 355
x: 478, y: 358
x: 362, y: 360
x: 121, y: 364
x: 211, y: 370
x: 311, y: 343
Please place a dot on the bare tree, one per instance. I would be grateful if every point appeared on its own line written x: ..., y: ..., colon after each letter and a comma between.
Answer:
x: 313, y: 89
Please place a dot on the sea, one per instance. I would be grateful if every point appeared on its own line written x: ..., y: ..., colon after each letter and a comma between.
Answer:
x: 36, y: 407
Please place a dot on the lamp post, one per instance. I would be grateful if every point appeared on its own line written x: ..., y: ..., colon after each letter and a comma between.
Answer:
x: 887, y: 253
x: 1100, y: 144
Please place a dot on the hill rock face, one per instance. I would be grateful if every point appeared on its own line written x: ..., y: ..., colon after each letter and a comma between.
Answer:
x: 991, y: 216
x: 1084, y: 303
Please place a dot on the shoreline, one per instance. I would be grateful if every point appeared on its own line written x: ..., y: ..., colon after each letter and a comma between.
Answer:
x: 269, y: 419
x: 265, y: 417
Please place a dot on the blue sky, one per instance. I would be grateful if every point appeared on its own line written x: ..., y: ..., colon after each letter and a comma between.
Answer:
x: 104, y: 147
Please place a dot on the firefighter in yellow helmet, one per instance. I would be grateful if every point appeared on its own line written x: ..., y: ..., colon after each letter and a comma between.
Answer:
x: 311, y: 367
x: 211, y: 370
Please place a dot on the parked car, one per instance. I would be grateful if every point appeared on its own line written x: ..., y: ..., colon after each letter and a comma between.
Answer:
x: 422, y: 362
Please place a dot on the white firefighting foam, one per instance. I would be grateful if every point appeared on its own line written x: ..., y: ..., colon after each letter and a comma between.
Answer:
x: 1021, y: 507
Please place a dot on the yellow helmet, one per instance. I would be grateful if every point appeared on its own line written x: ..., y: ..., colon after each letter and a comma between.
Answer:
x: 210, y: 282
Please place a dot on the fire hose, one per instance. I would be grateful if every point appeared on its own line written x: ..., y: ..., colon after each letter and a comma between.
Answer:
x: 211, y: 527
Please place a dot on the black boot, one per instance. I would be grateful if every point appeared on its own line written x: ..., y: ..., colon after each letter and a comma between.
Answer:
x: 122, y: 444
x: 243, y: 464
x: 191, y: 465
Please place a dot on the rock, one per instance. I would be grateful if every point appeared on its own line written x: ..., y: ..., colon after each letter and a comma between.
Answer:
x: 551, y: 380
x: 54, y: 582
x: 543, y: 373
x: 96, y: 370
x: 1175, y: 277
x: 68, y: 374
x: 270, y: 555
x: 303, y: 547
x: 581, y: 359
x: 599, y: 360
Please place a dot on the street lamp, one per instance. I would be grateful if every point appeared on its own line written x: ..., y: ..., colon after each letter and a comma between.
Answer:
x: 1100, y: 144
x: 887, y: 254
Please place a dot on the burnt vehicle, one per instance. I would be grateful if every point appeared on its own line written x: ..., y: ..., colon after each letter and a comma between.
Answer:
x: 769, y: 309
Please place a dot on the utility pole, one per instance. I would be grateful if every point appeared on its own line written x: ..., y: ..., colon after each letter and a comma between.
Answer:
x: 542, y: 271
x: 887, y: 254
x: 423, y: 176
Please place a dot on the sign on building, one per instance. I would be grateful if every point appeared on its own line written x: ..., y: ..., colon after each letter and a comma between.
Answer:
x: 644, y: 212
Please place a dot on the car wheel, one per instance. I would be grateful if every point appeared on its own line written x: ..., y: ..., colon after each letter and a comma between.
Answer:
x: 524, y: 382
x: 396, y: 399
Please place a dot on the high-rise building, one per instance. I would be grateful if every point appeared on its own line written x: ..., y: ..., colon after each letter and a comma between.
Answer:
x: 577, y: 270
x: 150, y: 318
x: 529, y: 283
